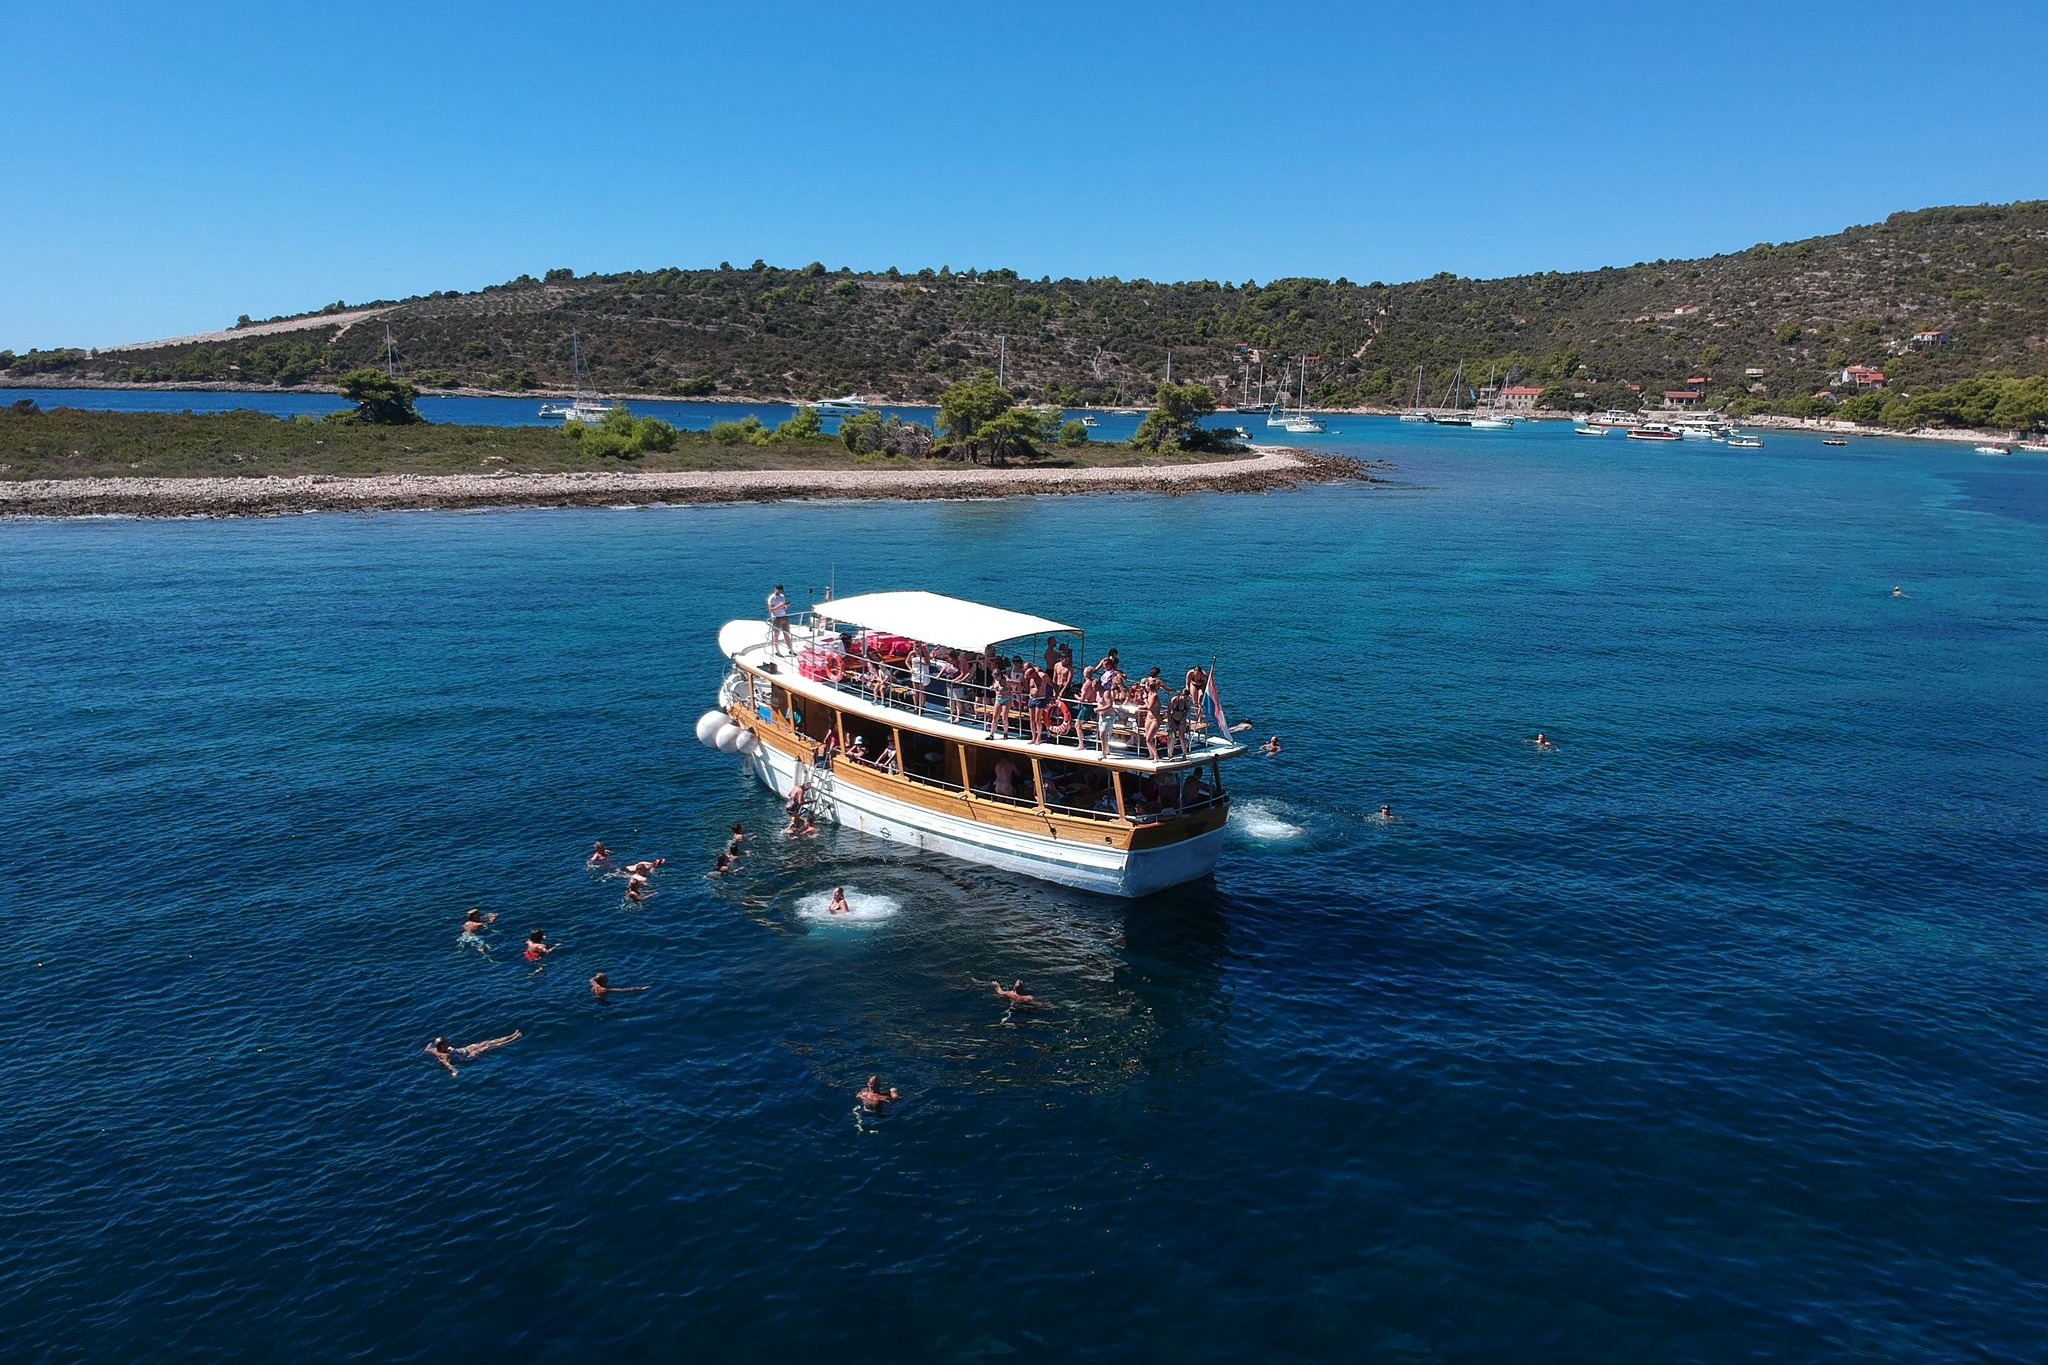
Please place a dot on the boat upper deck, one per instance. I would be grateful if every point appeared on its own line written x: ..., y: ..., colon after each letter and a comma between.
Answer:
x: 879, y: 690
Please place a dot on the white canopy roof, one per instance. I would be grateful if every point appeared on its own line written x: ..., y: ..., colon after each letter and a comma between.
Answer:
x: 936, y: 620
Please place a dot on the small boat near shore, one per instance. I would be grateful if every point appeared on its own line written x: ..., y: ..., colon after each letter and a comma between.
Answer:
x: 1654, y: 431
x: 1993, y: 450
x: 1745, y: 443
x: 835, y: 717
x: 847, y: 406
x: 2034, y: 447
x: 1591, y: 431
x: 1834, y: 441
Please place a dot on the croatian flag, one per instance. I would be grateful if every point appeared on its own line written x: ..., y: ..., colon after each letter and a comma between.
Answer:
x: 1216, y: 702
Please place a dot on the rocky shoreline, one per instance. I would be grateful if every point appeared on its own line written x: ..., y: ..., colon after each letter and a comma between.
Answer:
x: 1270, y: 470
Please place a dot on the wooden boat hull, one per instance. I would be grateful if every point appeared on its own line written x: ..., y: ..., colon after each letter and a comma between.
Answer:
x: 1108, y: 858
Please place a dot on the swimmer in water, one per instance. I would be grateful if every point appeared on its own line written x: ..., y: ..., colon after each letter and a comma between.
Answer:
x: 722, y: 865
x: 810, y: 827
x: 1898, y: 591
x: 637, y: 892
x: 872, y: 1097
x: 441, y: 1052
x: 601, y: 987
x: 1015, y: 995
x: 1386, y: 814
x: 739, y: 836
x: 537, y: 946
x: 838, y: 905
x: 1543, y: 741
x: 476, y: 921
x: 643, y: 869
x: 1270, y: 747
x: 599, y: 855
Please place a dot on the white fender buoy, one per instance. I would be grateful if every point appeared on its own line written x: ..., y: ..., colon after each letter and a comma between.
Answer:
x: 727, y: 740
x: 707, y: 725
x: 746, y: 742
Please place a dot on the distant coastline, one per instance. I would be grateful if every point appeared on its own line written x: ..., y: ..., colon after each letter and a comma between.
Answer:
x: 1269, y: 469
x: 1767, y: 421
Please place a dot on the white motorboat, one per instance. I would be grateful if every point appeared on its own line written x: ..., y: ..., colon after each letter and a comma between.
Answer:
x: 841, y: 407
x: 1745, y: 443
x: 1993, y: 450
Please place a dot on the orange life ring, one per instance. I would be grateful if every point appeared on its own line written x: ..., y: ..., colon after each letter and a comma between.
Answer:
x: 1064, y: 718
x: 835, y: 668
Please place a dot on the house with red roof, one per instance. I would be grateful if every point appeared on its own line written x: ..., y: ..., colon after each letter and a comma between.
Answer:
x: 1520, y: 397
x: 1863, y: 377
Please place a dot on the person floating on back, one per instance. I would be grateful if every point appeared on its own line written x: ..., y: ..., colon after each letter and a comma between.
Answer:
x: 441, y: 1052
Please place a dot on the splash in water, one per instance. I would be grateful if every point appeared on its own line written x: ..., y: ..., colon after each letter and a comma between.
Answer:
x: 1258, y: 820
x: 862, y: 908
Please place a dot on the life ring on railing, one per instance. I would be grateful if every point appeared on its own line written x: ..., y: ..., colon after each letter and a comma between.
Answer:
x: 835, y: 668
x: 1062, y: 720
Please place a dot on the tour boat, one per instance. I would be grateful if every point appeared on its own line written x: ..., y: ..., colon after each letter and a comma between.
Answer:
x: 579, y: 408
x: 829, y: 709
x: 1654, y: 431
x: 1613, y: 420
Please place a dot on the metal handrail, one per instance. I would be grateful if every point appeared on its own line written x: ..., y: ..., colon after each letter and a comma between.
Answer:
x: 852, y: 683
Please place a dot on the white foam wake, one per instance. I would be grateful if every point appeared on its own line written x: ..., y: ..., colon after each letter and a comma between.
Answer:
x: 862, y: 907
x: 1257, y: 820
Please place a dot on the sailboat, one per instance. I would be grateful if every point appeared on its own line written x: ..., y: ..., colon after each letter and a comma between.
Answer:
x: 1276, y: 415
x: 1299, y: 422
x: 1491, y: 420
x: 1453, y: 413
x: 579, y: 408
x: 1416, y: 413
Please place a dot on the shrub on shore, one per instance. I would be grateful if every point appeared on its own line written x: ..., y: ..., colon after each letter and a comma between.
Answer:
x: 621, y: 435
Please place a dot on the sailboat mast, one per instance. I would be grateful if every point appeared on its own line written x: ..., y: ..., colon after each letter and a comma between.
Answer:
x: 1002, y: 359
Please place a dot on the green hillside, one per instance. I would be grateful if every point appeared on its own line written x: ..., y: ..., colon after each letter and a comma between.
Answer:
x: 1797, y: 312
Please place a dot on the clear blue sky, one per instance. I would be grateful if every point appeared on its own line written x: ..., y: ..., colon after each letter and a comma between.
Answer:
x: 168, y: 167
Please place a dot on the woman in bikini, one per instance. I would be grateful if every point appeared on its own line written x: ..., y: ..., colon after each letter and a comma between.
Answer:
x: 446, y: 1055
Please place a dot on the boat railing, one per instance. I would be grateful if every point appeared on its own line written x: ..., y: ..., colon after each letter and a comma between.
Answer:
x: 996, y: 708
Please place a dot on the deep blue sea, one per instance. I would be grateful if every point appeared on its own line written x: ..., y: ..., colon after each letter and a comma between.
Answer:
x: 1717, y: 1033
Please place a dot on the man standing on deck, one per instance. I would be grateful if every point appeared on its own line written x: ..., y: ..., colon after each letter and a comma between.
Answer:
x: 778, y: 619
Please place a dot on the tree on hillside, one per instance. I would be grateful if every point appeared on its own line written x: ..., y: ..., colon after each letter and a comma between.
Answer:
x: 380, y: 399
x: 1175, y: 422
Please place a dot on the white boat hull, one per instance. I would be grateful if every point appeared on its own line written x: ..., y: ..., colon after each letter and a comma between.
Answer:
x: 1106, y: 871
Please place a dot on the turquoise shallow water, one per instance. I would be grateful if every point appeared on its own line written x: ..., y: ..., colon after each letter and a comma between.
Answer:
x: 1715, y: 1034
